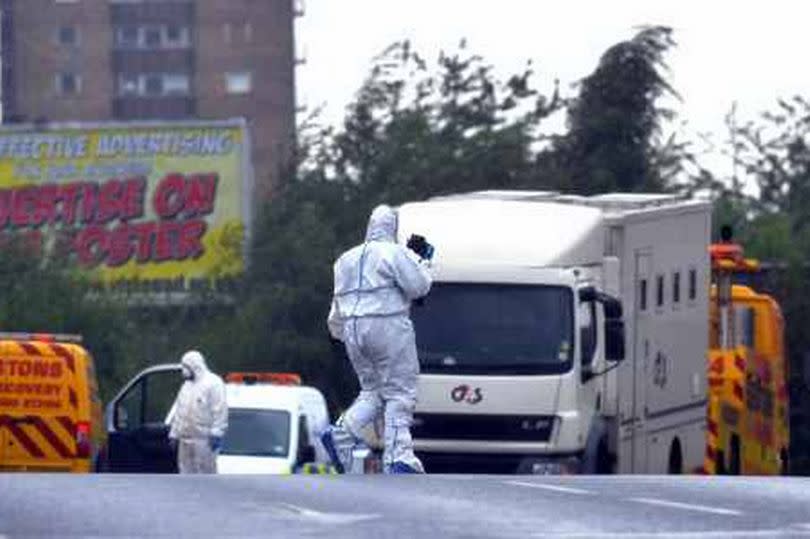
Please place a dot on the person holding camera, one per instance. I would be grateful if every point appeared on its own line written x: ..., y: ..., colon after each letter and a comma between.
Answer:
x: 374, y: 285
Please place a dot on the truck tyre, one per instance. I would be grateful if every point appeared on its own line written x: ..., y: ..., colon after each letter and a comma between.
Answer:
x: 675, y: 466
x: 596, y: 456
x: 604, y: 460
x: 735, y: 452
x: 784, y: 462
x: 720, y: 463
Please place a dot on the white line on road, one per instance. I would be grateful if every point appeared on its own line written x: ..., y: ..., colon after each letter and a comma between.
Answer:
x: 721, y: 534
x: 687, y: 506
x: 327, y: 518
x: 555, y: 488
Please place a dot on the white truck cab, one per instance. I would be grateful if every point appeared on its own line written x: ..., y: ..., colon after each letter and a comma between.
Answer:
x: 273, y: 425
x: 562, y: 333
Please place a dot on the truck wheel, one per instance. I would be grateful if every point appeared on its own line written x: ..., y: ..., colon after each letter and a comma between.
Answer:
x: 720, y: 463
x: 784, y: 462
x: 604, y: 460
x: 675, y: 466
x: 735, y: 452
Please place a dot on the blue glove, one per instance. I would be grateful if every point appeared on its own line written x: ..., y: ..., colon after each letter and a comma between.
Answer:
x: 215, y: 443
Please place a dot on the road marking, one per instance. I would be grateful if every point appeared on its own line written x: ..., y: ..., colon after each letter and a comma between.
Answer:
x: 555, y: 488
x: 326, y: 518
x: 723, y: 534
x: 687, y: 506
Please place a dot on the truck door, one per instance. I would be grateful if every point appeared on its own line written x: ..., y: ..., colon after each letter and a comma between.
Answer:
x: 138, y: 433
x: 633, y: 454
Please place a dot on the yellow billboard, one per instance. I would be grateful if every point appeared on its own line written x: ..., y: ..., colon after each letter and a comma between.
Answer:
x: 146, y: 207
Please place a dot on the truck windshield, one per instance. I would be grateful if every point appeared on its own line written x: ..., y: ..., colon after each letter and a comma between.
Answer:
x: 495, y: 329
x: 259, y: 433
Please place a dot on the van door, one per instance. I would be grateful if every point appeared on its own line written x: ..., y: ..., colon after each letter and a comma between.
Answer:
x: 137, y: 428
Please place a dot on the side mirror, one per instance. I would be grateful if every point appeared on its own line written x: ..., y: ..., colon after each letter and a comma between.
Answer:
x: 587, y: 294
x: 614, y: 338
x: 306, y: 454
x: 612, y: 306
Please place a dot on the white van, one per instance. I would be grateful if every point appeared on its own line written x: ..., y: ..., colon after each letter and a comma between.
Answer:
x: 273, y: 425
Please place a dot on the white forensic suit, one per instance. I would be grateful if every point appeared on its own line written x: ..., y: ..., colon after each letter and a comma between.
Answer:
x: 200, y: 417
x: 374, y: 285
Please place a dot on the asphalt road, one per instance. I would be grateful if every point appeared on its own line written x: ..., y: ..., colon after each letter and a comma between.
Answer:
x: 402, y: 506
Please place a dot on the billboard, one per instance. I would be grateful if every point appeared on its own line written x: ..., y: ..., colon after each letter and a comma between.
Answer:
x: 143, y: 207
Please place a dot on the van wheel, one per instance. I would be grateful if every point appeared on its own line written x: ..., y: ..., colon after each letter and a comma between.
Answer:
x: 675, y: 466
x: 735, y: 452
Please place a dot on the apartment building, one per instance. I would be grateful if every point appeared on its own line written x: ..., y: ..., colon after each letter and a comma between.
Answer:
x: 97, y: 60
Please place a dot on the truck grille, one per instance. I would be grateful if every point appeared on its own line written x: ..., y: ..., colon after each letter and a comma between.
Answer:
x: 511, y: 428
x: 467, y: 463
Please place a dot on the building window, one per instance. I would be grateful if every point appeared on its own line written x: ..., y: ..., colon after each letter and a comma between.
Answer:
x: 247, y: 30
x: 176, y: 37
x: 152, y: 37
x: 127, y: 36
x: 153, y: 84
x: 176, y: 84
x: 238, y: 83
x: 67, y: 35
x: 227, y: 33
x: 128, y: 84
x: 67, y: 84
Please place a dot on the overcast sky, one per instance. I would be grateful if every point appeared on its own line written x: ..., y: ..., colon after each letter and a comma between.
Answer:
x: 751, y: 52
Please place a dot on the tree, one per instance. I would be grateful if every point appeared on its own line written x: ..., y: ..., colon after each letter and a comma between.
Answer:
x: 615, y: 122
x: 41, y: 298
x: 413, y: 131
x: 774, y: 224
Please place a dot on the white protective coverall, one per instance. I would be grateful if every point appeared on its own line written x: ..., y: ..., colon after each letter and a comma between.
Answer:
x: 200, y: 417
x: 374, y: 285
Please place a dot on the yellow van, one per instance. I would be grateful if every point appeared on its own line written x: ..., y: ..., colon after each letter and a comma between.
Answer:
x: 50, y: 410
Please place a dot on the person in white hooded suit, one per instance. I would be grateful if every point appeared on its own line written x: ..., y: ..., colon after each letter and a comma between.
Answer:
x: 200, y: 417
x: 374, y: 285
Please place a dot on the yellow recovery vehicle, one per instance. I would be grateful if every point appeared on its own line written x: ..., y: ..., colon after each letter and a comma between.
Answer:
x: 748, y: 423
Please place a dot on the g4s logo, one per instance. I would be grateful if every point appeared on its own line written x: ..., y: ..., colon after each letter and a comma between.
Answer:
x: 465, y: 393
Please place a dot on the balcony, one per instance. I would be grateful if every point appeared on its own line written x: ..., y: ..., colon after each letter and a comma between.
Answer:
x: 152, y: 12
x: 154, y: 108
x: 146, y: 61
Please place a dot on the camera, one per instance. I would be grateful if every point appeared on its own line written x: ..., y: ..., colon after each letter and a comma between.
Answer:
x: 419, y: 245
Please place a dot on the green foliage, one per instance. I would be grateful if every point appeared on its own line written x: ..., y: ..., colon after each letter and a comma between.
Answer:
x: 774, y: 226
x: 612, y: 143
x: 415, y: 129
x: 38, y: 298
